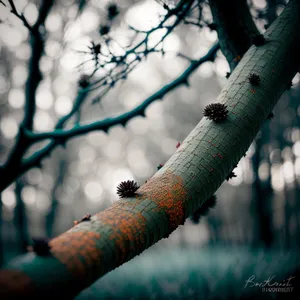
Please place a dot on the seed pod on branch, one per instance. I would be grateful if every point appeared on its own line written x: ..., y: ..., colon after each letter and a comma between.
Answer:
x: 216, y: 112
x: 127, y: 188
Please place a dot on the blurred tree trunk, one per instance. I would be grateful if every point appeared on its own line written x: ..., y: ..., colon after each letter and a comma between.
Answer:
x: 196, y: 170
x: 20, y: 218
x: 235, y: 33
x: 262, y: 190
x: 262, y: 193
x: 1, y: 237
x: 51, y: 215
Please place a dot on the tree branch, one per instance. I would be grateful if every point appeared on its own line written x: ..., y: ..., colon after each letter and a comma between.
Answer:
x: 8, y: 175
x: 19, y: 16
x: 196, y: 170
x: 12, y: 164
x: 122, y: 119
x: 119, y: 65
x: 235, y: 28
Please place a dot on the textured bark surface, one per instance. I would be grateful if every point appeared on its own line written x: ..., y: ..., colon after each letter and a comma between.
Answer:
x: 196, y: 170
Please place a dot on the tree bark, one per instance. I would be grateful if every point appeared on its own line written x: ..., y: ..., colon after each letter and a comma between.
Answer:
x: 235, y: 28
x: 196, y: 170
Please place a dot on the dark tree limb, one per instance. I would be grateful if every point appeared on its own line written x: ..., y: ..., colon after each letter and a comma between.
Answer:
x: 35, y: 159
x: 34, y: 77
x: 20, y: 218
x: 235, y: 28
x: 122, y: 119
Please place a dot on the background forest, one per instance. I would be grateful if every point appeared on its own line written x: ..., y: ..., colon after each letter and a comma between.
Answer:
x: 256, y: 209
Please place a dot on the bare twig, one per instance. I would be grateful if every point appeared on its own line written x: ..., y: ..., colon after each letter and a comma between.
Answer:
x: 103, y: 55
x: 35, y: 159
x: 18, y: 15
x: 105, y: 124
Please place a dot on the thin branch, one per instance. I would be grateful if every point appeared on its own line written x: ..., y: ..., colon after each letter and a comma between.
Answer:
x: 43, y: 13
x: 105, y: 124
x: 19, y: 16
x: 119, y: 61
x: 35, y: 159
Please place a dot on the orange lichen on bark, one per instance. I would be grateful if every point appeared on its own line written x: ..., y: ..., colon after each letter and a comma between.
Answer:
x: 128, y: 229
x: 169, y: 194
x: 15, y: 285
x: 77, y: 250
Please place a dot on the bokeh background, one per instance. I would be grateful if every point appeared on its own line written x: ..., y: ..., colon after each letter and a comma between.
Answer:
x: 260, y: 208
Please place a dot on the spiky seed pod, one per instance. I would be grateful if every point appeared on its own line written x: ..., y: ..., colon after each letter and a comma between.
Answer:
x: 83, y: 81
x: 204, y: 209
x: 40, y: 246
x: 254, y: 79
x: 104, y: 29
x: 127, y: 188
x: 228, y: 75
x: 270, y: 116
x: 96, y: 49
x: 258, y: 40
x: 216, y: 112
x: 112, y: 11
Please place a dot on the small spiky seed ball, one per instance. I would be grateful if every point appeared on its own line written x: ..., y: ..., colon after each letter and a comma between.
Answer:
x: 104, y: 29
x: 127, y: 188
x: 41, y: 247
x: 83, y: 81
x: 258, y: 40
x: 254, y: 79
x: 216, y: 112
x: 112, y: 11
x: 96, y: 49
x: 228, y: 75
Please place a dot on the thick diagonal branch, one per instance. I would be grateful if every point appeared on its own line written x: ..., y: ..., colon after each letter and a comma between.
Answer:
x: 196, y: 170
